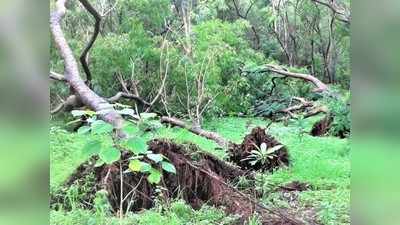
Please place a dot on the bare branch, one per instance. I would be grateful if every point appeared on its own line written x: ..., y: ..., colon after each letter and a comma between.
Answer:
x: 57, y: 76
x: 120, y: 95
x: 320, y: 86
x: 344, y: 15
x: 57, y: 109
x: 196, y: 130
x: 160, y: 90
x: 84, y: 56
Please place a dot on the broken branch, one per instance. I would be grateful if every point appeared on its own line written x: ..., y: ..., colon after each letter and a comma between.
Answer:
x: 197, y: 130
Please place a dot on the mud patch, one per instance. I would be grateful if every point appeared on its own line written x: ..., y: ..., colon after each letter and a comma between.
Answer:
x: 253, y: 141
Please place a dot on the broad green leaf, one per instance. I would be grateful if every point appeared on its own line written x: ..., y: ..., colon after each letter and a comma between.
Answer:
x: 130, y: 128
x: 101, y: 127
x: 135, y: 165
x: 137, y: 145
x: 77, y: 113
x: 110, y: 155
x: 154, y: 176
x: 145, y: 167
x: 168, y: 167
x: 83, y: 130
x: 155, y: 157
x: 146, y: 116
x: 91, y: 148
x: 126, y: 111
x: 99, y: 163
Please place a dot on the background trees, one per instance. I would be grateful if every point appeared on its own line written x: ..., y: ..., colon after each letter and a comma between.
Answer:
x: 192, y: 58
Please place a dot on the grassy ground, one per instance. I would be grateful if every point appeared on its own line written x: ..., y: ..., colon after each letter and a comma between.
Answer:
x: 322, y: 162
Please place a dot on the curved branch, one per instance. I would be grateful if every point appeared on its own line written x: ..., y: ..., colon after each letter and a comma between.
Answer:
x: 84, y: 55
x: 87, y: 96
x: 69, y: 104
x: 57, y: 109
x: 57, y: 76
x: 196, y: 130
x: 345, y: 17
x: 120, y: 95
x: 320, y: 86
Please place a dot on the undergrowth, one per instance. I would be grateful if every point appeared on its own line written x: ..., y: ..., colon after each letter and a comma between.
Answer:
x: 321, y: 162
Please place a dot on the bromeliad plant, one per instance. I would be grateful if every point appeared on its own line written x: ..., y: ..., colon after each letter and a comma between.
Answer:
x: 108, y: 150
x: 262, y: 154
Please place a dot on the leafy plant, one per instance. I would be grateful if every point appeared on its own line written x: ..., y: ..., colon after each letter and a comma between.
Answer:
x: 143, y: 160
x: 262, y: 154
x: 339, y: 108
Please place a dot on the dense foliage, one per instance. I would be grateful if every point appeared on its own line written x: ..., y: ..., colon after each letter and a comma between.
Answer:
x: 208, y: 42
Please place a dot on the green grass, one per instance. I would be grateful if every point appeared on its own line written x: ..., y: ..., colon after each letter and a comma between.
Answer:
x: 323, y: 162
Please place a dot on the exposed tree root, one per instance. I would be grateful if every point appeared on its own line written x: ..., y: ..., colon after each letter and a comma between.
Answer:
x: 322, y: 127
x: 252, y: 142
x: 205, y: 180
x: 238, y: 153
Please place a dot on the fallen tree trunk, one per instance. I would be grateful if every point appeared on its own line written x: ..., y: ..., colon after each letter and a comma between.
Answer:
x: 320, y: 86
x: 87, y: 96
x: 197, y: 130
x: 303, y: 104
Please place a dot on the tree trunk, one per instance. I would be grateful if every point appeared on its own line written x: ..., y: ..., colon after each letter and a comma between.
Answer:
x: 197, y: 130
x: 320, y: 86
x: 86, y: 95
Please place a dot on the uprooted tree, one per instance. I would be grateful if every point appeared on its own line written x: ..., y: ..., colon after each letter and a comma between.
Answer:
x: 81, y: 92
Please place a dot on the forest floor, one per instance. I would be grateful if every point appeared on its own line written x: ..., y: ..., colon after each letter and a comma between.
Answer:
x: 322, y: 164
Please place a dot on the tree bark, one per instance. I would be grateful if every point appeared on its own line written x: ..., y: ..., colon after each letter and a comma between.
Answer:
x: 320, y: 86
x: 197, y: 130
x: 84, y: 56
x: 85, y: 94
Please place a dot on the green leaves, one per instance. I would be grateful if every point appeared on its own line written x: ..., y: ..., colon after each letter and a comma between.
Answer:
x: 145, y: 167
x: 135, y: 165
x: 154, y: 176
x: 155, y: 157
x: 146, y: 116
x: 77, y: 113
x: 127, y: 111
x: 101, y: 127
x: 110, y: 155
x: 130, y: 128
x: 139, y: 166
x: 83, y: 130
x: 168, y: 167
x: 91, y: 148
x: 137, y: 145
